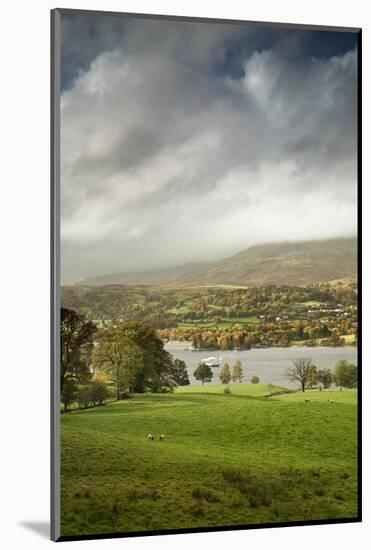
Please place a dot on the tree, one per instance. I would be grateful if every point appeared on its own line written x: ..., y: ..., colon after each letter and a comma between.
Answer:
x: 325, y: 377
x: 312, y: 376
x: 83, y: 396
x: 225, y: 374
x: 120, y: 358
x: 333, y: 341
x: 345, y: 374
x: 99, y: 391
x: 155, y: 369
x: 203, y: 373
x: 76, y: 340
x: 180, y: 373
x: 237, y: 372
x: 95, y: 392
x: 255, y: 380
x: 162, y: 375
x: 69, y: 392
x: 301, y: 371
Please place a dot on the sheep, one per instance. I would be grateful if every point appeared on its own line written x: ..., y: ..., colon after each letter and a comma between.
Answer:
x: 307, y: 400
x: 150, y: 437
x: 162, y: 437
x: 331, y: 400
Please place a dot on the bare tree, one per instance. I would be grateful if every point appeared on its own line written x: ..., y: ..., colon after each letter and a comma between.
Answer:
x: 301, y: 371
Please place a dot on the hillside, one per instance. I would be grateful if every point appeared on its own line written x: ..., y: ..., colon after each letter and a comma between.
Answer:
x: 185, y: 273
x: 226, y: 460
x: 290, y: 263
x: 287, y: 263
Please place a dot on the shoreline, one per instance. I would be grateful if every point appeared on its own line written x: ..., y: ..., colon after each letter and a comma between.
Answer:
x: 184, y: 342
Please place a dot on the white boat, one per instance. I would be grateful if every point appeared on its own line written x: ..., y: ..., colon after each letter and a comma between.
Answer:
x: 210, y: 361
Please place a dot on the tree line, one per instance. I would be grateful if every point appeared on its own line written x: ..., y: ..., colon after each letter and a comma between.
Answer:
x: 280, y: 333
x: 204, y: 373
x: 305, y: 372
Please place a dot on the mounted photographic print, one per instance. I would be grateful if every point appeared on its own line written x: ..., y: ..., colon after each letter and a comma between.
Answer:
x: 205, y: 239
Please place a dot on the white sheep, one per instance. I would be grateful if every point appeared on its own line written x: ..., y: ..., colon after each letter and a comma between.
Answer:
x: 162, y: 437
x: 150, y: 436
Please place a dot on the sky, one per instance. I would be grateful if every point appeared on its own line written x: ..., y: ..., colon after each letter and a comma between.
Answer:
x: 191, y: 141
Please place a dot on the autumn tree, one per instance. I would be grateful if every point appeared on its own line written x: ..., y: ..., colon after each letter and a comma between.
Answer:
x: 225, y: 374
x: 237, y: 372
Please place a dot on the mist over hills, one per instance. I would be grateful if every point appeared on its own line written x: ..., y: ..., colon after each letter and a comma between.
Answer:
x: 286, y: 263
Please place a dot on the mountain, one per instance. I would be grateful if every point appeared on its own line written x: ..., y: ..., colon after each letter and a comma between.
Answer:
x: 287, y: 263
x: 185, y: 273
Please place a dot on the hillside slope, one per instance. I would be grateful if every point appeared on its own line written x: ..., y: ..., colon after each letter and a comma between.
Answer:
x: 287, y: 263
x: 291, y: 263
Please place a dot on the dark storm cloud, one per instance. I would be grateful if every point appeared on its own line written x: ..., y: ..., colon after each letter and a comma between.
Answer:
x: 188, y: 141
x: 85, y: 36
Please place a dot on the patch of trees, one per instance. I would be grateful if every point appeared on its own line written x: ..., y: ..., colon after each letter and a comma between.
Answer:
x: 76, y: 342
x: 346, y: 374
x: 307, y: 375
x: 234, y: 375
x: 279, y: 334
x: 129, y: 358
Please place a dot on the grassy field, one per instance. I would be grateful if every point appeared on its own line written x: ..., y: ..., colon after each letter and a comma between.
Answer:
x: 225, y: 322
x: 226, y: 459
x: 249, y: 390
x: 348, y: 338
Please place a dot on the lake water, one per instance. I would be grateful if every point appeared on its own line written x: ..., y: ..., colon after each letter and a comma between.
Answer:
x: 270, y: 364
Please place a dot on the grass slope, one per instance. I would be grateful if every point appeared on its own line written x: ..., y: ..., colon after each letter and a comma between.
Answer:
x: 250, y: 390
x: 227, y: 459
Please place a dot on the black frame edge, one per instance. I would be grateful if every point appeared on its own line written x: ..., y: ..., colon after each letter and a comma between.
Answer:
x: 193, y: 19
x: 359, y: 265
x: 309, y: 523
x: 54, y: 271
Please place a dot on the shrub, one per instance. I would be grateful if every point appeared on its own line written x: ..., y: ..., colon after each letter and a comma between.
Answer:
x: 125, y: 395
x: 227, y: 391
x: 255, y: 380
x: 132, y: 494
x: 204, y: 494
x: 233, y: 475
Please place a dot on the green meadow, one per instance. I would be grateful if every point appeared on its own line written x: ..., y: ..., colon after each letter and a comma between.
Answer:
x: 247, y: 457
x: 225, y: 322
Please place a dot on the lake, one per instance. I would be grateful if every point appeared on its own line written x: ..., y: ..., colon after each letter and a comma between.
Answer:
x: 270, y: 364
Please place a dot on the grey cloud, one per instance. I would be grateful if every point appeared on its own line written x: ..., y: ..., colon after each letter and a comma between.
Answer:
x: 166, y: 159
